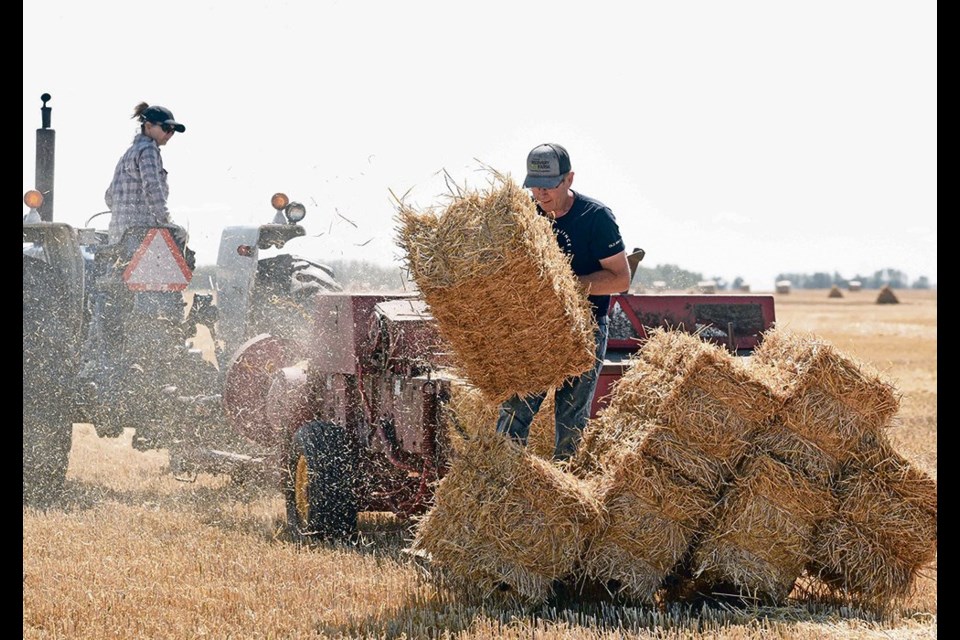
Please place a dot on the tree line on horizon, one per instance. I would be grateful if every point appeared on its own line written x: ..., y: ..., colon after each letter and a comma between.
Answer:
x: 368, y: 276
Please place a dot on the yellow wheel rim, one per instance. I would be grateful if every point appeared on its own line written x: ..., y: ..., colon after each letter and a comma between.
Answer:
x: 300, y: 489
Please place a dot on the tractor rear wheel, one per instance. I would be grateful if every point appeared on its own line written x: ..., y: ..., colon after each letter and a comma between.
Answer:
x: 321, y: 496
x: 49, y: 364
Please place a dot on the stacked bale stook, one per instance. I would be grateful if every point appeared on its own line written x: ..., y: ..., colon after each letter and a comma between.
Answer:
x: 505, y: 520
x: 500, y: 289
x: 677, y: 426
x: 887, y: 296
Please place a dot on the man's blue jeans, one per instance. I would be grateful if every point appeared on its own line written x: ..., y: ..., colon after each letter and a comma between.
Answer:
x: 572, y: 402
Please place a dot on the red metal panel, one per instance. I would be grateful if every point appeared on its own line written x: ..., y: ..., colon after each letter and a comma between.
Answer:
x: 749, y: 315
x: 601, y: 397
x: 408, y: 337
x: 337, y: 335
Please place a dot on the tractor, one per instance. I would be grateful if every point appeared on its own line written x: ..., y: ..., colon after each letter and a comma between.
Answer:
x: 338, y: 399
x: 108, y: 333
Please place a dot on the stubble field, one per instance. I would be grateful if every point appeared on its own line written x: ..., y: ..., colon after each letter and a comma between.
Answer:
x: 137, y: 554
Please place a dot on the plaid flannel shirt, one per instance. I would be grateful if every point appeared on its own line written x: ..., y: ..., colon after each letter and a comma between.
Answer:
x: 137, y: 195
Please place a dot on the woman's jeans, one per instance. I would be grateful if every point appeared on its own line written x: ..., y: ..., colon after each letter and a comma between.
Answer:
x: 572, y: 402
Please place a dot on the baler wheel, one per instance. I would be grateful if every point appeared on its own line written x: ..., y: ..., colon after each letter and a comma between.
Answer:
x: 321, y: 496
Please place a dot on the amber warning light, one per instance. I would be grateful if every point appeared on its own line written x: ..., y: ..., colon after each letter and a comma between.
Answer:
x: 33, y: 199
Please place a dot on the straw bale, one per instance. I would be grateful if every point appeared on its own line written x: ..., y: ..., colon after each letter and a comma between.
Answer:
x: 763, y: 530
x: 635, y: 400
x: 672, y: 349
x: 504, y: 516
x: 800, y: 454
x: 500, y: 289
x: 830, y: 397
x: 705, y: 401
x: 652, y: 515
x: 851, y: 559
x: 719, y: 403
x: 660, y: 444
x: 835, y: 292
x: 887, y: 296
x: 665, y: 445
x: 473, y: 410
x: 896, y: 501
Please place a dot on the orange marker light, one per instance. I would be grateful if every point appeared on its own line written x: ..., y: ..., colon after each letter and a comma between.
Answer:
x: 33, y: 199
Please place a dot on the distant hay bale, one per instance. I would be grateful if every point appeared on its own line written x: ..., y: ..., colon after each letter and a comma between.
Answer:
x: 830, y: 398
x: 835, y: 292
x: 472, y: 410
x: 500, y: 289
x: 503, y: 517
x: 707, y: 286
x: 886, y: 296
x: 762, y: 532
x: 652, y: 515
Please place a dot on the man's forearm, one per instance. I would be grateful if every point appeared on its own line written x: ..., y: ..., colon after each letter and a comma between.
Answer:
x: 604, y: 282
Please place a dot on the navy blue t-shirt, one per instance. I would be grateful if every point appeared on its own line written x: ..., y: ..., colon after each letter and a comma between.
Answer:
x: 589, y: 233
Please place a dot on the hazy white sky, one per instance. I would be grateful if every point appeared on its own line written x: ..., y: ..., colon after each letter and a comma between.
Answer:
x: 730, y: 138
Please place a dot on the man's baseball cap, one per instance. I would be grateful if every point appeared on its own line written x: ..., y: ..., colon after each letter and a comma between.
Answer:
x: 162, y: 116
x: 547, y: 164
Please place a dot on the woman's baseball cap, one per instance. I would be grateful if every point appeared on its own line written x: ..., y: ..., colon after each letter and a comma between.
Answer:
x: 547, y: 164
x: 161, y: 115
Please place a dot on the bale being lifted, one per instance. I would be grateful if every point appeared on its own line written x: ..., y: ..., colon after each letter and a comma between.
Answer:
x: 501, y: 290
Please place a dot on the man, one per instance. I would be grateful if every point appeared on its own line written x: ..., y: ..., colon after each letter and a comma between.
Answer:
x: 587, y: 231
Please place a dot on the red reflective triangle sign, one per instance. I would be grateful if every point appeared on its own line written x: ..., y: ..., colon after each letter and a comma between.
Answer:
x: 158, y: 265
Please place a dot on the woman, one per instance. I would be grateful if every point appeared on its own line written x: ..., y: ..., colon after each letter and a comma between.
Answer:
x: 137, y: 196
